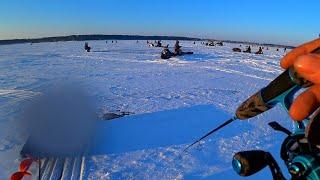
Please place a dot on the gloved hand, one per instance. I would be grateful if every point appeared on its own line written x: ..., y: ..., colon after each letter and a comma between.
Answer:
x: 308, y: 66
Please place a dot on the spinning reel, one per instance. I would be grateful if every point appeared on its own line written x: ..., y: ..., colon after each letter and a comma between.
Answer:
x: 300, y: 156
x: 299, y: 149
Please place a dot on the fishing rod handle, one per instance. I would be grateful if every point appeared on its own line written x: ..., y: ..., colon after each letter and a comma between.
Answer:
x: 261, y: 101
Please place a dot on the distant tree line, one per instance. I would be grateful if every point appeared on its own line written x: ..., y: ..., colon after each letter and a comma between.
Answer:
x: 121, y: 37
x: 94, y: 37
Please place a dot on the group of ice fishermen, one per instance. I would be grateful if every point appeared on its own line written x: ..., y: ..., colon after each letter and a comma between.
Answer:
x: 87, y: 48
x: 248, y: 50
x: 166, y: 53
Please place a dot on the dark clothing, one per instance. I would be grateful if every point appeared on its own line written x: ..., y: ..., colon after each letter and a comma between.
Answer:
x: 177, y: 49
x: 87, y: 47
x: 248, y: 50
x: 158, y: 44
x: 259, y: 51
x: 220, y: 43
x: 166, y: 54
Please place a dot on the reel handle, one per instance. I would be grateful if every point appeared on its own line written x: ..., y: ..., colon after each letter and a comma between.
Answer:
x: 246, y: 163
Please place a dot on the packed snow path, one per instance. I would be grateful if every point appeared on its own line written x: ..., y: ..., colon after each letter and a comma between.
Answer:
x: 131, y: 77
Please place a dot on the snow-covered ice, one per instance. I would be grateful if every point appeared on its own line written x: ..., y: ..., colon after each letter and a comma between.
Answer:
x: 131, y: 77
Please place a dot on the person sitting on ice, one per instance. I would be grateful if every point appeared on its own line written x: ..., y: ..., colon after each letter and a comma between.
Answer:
x: 87, y: 48
x: 210, y: 43
x: 259, y: 51
x: 159, y: 44
x: 248, y: 50
x: 166, y: 53
x: 219, y: 43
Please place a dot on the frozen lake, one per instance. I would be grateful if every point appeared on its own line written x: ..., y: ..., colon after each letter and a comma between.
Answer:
x: 129, y: 76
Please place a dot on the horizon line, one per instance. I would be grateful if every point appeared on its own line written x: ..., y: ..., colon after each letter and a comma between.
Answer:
x: 167, y: 37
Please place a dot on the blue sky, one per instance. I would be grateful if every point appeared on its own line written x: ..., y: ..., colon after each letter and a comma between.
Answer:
x: 272, y: 21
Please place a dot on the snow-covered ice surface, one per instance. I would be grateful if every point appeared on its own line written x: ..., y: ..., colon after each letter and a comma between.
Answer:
x: 130, y: 76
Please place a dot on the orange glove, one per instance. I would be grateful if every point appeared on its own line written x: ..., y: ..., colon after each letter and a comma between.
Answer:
x: 23, y: 170
x: 308, y: 66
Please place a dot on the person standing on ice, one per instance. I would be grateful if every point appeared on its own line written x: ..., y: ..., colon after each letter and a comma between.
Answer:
x: 177, y: 48
x: 87, y: 48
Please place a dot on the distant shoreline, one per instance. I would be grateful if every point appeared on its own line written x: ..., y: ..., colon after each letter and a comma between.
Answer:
x: 121, y: 37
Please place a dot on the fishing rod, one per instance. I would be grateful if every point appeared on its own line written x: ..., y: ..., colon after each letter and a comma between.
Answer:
x: 280, y: 90
x: 300, y: 156
x: 209, y: 133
